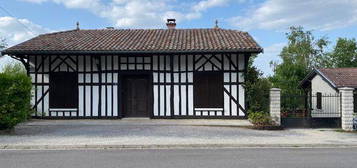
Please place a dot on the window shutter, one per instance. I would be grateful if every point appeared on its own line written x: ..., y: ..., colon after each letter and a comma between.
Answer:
x: 63, y: 90
x: 208, y: 89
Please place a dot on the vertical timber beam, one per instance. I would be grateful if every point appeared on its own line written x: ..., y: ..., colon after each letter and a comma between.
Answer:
x: 35, y: 85
x: 172, y: 85
x: 99, y: 68
x: 42, y: 85
x: 77, y: 73
x: 49, y: 82
x: 84, y: 63
x: 246, y: 62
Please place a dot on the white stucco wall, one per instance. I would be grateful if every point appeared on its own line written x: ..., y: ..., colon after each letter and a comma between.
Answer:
x: 318, y: 84
x: 330, y: 99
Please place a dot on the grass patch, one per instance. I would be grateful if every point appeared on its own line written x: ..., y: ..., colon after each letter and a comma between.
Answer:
x: 343, y: 131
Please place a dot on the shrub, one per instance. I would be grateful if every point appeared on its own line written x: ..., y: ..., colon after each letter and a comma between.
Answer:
x: 260, y: 119
x: 257, y: 89
x: 15, y: 96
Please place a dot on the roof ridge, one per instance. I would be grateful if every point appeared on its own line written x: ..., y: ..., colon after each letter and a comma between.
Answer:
x: 339, y: 68
x: 140, y: 29
x: 105, y: 29
x: 59, y: 32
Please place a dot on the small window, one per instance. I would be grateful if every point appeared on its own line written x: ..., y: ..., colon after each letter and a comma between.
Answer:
x: 63, y: 90
x: 208, y: 90
x: 318, y: 100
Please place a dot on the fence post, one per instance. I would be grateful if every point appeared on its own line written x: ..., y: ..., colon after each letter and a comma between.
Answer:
x: 275, y: 105
x: 347, y: 108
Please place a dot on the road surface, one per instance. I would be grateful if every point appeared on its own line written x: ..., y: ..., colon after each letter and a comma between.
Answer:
x: 182, y: 158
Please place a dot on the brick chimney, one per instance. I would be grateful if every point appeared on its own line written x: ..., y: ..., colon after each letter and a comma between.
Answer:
x: 171, y: 23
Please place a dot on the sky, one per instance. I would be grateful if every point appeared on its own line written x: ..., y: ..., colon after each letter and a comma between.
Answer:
x: 266, y: 20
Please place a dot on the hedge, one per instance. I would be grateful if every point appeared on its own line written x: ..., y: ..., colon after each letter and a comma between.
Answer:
x: 15, y: 96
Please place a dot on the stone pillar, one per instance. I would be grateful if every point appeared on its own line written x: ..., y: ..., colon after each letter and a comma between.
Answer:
x: 275, y: 105
x: 347, y: 108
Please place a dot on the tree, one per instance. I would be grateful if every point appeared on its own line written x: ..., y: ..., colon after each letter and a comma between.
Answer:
x: 344, y: 53
x: 3, y: 43
x: 302, y: 53
x: 257, y: 88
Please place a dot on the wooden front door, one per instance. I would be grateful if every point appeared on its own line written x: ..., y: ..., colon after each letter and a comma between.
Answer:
x: 137, y: 95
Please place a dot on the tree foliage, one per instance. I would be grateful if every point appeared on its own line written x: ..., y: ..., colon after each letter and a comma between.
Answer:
x: 302, y: 53
x: 257, y: 88
x: 15, y: 95
x: 344, y: 54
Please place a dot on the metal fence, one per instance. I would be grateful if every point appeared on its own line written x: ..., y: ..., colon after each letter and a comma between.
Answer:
x: 316, y: 106
x: 325, y: 106
x: 294, y: 106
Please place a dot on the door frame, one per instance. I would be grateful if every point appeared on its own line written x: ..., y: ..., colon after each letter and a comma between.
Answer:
x: 122, y: 75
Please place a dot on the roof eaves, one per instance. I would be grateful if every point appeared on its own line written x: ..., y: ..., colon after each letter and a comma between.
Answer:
x: 22, y: 52
x: 326, y: 78
x: 312, y: 74
x: 307, y: 78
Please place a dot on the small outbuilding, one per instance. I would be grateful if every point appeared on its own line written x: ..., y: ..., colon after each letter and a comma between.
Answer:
x: 322, y: 84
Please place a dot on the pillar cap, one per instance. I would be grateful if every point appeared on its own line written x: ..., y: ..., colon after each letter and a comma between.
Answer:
x: 346, y: 88
x: 275, y: 89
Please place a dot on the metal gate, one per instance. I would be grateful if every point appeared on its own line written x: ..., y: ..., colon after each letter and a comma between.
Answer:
x: 311, y: 110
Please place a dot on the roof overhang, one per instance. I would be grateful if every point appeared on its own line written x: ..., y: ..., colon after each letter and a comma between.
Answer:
x: 307, y: 80
x: 98, y: 52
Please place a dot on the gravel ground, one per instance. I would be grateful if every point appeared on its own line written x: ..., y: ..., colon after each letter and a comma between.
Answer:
x: 165, y: 132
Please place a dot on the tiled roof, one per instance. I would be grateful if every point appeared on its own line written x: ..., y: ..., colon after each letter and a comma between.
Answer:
x: 341, y: 77
x: 139, y: 40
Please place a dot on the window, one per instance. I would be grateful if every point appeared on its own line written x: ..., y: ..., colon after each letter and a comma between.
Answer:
x: 318, y: 100
x: 63, y: 90
x: 208, y: 90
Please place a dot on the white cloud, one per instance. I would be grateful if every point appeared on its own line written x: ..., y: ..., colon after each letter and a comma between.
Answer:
x: 138, y: 13
x: 35, y: 1
x: 16, y: 30
x: 205, y: 4
x: 6, y: 60
x: 141, y: 13
x: 313, y: 14
x: 271, y: 53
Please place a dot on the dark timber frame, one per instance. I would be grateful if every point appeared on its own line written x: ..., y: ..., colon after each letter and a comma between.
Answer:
x: 172, y: 77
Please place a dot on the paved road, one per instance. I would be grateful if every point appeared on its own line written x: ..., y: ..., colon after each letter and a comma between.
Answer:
x: 182, y: 158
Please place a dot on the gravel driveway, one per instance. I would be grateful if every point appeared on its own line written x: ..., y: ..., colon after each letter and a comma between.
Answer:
x: 165, y: 132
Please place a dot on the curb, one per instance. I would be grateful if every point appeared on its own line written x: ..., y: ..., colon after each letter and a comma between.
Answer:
x: 173, y: 146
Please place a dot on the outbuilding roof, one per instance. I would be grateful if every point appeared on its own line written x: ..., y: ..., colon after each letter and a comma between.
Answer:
x: 336, y: 77
x: 139, y: 40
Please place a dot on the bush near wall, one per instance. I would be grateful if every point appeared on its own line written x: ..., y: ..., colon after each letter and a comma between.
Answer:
x: 15, y: 96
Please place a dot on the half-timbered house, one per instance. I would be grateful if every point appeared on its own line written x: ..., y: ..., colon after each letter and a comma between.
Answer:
x: 155, y: 73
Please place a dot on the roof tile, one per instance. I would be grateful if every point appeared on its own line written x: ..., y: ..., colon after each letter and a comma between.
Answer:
x: 341, y: 77
x: 144, y: 40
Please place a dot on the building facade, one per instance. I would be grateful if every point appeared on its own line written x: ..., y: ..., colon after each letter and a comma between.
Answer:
x: 158, y: 73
